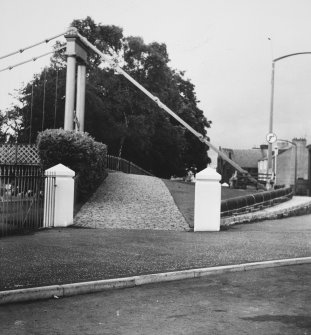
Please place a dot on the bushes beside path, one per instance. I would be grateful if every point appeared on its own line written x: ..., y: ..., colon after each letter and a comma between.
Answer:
x: 78, y: 151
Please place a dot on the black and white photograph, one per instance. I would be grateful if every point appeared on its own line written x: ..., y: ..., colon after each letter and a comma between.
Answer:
x: 155, y: 167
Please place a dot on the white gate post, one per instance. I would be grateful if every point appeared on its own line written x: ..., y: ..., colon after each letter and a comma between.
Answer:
x: 64, y: 197
x: 207, y: 200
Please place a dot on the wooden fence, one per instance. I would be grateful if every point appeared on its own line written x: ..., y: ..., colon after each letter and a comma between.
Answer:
x: 21, y: 154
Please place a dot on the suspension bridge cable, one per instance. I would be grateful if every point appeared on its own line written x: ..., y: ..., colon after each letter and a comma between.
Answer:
x: 33, y: 59
x: 202, y: 138
x: 133, y: 81
x: 47, y: 40
x: 159, y: 103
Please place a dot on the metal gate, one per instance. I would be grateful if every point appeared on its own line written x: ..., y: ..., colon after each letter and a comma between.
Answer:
x: 22, y: 198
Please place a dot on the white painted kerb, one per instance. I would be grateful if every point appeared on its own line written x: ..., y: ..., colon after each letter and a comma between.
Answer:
x: 64, y: 194
x: 207, y: 200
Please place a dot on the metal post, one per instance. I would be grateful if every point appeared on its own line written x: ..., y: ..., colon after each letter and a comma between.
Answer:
x: 271, y: 119
x: 81, y: 95
x: 275, y: 164
x: 271, y: 103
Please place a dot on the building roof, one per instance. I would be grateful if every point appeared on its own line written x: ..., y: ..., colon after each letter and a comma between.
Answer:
x: 246, y: 158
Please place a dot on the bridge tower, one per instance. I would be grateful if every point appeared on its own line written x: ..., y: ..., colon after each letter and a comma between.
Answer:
x: 76, y: 53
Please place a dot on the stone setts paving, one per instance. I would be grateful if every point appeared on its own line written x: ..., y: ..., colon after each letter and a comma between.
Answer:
x: 132, y: 202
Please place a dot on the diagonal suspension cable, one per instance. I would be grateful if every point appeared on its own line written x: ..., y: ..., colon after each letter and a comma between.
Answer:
x: 168, y: 110
x: 33, y: 59
x: 47, y: 40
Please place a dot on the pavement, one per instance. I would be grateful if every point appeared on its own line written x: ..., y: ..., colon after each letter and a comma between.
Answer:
x: 297, y: 205
x: 40, y: 265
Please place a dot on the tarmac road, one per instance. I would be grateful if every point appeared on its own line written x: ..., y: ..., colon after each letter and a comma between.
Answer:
x: 265, y: 301
x: 68, y: 255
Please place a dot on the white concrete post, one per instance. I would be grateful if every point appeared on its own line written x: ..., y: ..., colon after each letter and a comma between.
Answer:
x: 64, y: 197
x: 81, y: 95
x: 70, y: 92
x: 207, y: 201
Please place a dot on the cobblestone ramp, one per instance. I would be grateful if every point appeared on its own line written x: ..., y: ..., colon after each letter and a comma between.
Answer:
x: 131, y: 202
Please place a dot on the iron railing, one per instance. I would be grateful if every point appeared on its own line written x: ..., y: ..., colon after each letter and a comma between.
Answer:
x: 22, y: 191
x: 121, y: 164
x: 242, y: 180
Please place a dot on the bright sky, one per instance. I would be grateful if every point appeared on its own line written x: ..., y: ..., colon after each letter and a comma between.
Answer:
x: 221, y: 44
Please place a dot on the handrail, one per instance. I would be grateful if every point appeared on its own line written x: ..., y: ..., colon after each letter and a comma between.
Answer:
x: 120, y: 164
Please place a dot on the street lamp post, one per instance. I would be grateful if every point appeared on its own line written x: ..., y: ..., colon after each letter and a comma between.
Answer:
x: 271, y: 107
x: 271, y: 119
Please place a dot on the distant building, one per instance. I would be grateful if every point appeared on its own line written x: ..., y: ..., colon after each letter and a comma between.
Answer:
x: 245, y: 158
x: 255, y: 161
x: 283, y: 163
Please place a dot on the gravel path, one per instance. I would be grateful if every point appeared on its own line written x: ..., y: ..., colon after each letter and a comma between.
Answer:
x: 131, y: 202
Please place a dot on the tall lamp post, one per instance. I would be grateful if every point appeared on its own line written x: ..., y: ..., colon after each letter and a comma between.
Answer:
x: 295, y: 168
x: 271, y: 106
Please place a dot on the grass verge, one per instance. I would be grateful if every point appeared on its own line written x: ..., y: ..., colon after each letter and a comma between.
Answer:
x: 183, y: 195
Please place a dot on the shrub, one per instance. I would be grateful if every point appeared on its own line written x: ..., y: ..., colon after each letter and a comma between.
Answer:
x: 79, y: 152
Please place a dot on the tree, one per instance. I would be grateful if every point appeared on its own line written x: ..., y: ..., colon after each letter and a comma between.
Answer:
x: 117, y: 113
x: 11, y: 125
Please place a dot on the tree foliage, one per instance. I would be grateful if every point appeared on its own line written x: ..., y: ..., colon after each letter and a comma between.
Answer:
x: 117, y: 113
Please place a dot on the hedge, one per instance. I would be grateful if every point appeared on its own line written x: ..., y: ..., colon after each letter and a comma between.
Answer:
x: 251, y: 201
x: 78, y: 151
